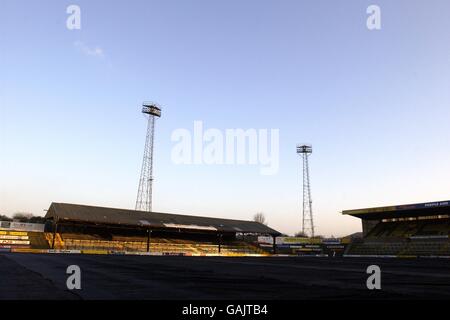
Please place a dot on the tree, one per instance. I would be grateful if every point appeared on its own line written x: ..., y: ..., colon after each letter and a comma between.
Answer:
x: 22, y: 216
x: 28, y: 218
x: 301, y: 234
x: 37, y: 219
x: 260, y: 217
x: 4, y: 218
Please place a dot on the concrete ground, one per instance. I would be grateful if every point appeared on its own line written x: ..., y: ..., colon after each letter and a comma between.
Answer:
x: 43, y: 276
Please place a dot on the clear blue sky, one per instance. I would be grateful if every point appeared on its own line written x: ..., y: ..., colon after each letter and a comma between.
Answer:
x: 374, y: 104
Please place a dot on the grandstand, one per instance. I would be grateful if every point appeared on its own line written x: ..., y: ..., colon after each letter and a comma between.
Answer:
x: 97, y: 230
x: 406, y: 230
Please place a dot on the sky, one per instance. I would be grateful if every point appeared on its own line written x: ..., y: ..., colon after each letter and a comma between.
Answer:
x: 374, y: 104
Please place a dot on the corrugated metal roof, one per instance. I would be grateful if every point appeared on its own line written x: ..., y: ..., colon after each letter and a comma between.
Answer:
x: 113, y: 216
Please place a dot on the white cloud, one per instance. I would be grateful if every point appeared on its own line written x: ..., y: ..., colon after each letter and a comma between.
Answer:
x: 89, y: 51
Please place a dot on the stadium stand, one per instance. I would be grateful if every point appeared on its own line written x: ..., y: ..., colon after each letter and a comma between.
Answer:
x: 70, y: 241
x: 79, y: 227
x: 406, y: 230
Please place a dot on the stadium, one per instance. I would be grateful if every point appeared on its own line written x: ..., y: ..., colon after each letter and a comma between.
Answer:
x: 416, y: 230
x: 239, y: 85
x: 129, y: 254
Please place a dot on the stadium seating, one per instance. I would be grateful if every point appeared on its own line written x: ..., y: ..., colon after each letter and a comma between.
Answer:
x: 427, y: 247
x: 427, y: 237
x: 433, y: 228
x: 377, y: 248
x: 59, y: 243
x: 406, y: 229
x: 120, y: 243
x: 38, y: 240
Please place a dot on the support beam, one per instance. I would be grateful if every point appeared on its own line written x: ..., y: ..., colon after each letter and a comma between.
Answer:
x: 149, y: 233
x: 55, y: 231
x: 274, y: 246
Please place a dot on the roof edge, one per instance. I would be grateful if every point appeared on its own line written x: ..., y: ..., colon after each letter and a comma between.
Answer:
x: 394, y: 208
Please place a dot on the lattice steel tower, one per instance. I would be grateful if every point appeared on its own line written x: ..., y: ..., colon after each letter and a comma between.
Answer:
x: 304, y: 150
x: 144, y: 196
